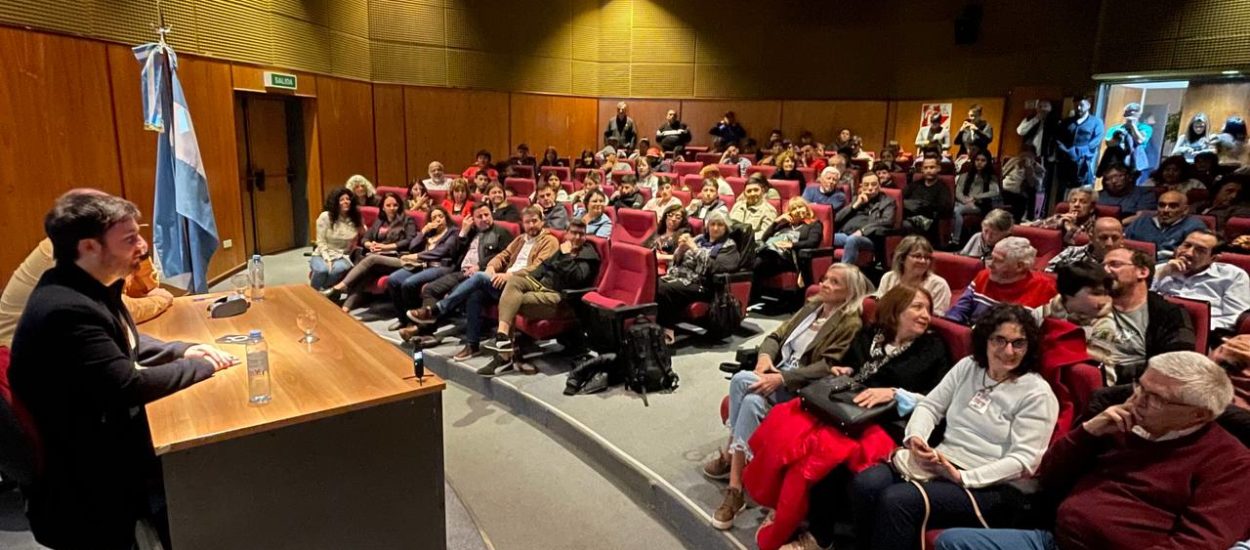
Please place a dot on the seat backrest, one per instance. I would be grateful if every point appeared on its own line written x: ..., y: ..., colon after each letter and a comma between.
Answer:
x: 776, y: 205
x: 958, y: 338
x: 580, y: 174
x: 685, y: 168
x: 521, y: 202
x: 21, y: 448
x: 604, y: 248
x: 384, y: 189
x: 707, y: 158
x: 861, y: 164
x: 957, y: 270
x: 727, y: 170
x: 646, y: 194
x: 728, y: 200
x: 899, y: 179
x: 824, y: 213
x: 897, y: 195
x: 766, y: 170
x: 683, y: 196
x: 868, y: 311
x: 673, y: 177
x: 1200, y: 313
x: 562, y: 170
x: 437, y: 195
x: 1144, y: 246
x: 513, y: 228
x: 633, y: 226
x: 692, y: 181
x: 632, y: 274
x: 1209, y: 220
x: 1239, y: 260
x: 1047, y: 242
x: 418, y: 217
x: 696, y: 226
x: 809, y: 174
x: 369, y: 214
x: 788, y: 189
x: 1236, y: 227
x: 737, y: 184
x: 524, y: 171
x: 521, y: 187
x: 618, y: 175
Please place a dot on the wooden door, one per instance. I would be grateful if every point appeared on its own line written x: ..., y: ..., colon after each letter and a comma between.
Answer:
x: 268, y: 176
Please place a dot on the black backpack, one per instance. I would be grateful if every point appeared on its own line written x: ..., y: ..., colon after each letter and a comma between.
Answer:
x: 646, y: 360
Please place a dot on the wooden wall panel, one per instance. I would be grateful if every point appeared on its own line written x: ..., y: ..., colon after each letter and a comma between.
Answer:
x: 756, y: 117
x: 451, y: 125
x: 826, y: 118
x: 388, y: 135
x: 648, y: 115
x: 1016, y: 112
x: 1219, y: 100
x: 345, y: 117
x: 905, y: 118
x: 136, y: 146
x: 566, y: 123
x: 56, y: 131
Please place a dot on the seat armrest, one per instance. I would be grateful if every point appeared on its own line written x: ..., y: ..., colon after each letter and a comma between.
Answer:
x: 725, y: 279
x: 575, y: 294
x: 819, y: 252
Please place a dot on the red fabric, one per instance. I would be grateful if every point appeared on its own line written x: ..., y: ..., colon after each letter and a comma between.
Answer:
x: 793, y: 451
x: 6, y: 391
x: 1032, y: 291
x: 1063, y: 346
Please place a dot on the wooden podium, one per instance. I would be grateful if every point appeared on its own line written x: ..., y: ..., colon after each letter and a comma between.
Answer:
x: 348, y: 454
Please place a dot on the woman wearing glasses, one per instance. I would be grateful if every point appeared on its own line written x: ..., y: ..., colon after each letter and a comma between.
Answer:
x: 999, y: 417
x: 913, y: 266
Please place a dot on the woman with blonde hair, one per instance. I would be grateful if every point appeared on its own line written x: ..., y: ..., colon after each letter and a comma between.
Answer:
x: 913, y: 265
x: 796, y: 230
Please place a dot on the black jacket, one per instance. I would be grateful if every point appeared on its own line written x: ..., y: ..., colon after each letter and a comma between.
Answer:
x: 793, y: 175
x: 672, y: 141
x: 872, y: 218
x: 569, y: 271
x: 75, y: 370
x: 809, y: 233
x: 918, y: 369
x: 507, y: 213
x: 444, y: 250
x: 633, y: 200
x: 493, y: 241
x: 934, y: 202
x: 1168, y: 329
x: 401, y: 232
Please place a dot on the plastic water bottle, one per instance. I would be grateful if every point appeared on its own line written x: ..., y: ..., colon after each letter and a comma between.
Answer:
x: 257, y: 271
x: 258, y: 390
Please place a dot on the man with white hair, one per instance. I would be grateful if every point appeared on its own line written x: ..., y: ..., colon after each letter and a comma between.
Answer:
x: 1153, y: 472
x: 826, y: 191
x: 438, y: 180
x: 1007, y: 278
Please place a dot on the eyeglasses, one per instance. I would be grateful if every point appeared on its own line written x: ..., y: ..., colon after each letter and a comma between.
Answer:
x: 920, y: 256
x: 1151, y: 399
x: 1018, y: 344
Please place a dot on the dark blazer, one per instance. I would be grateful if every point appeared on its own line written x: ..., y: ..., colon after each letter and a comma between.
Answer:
x: 825, y: 351
x: 493, y: 241
x: 1169, y: 329
x: 809, y: 234
x: 793, y: 175
x: 401, y: 231
x: 74, y: 369
x: 444, y: 250
x: 507, y: 213
x: 918, y: 369
x: 569, y: 271
x: 873, y: 218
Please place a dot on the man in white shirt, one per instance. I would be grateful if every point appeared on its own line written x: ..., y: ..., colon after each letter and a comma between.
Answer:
x: 438, y: 180
x: 1192, y: 273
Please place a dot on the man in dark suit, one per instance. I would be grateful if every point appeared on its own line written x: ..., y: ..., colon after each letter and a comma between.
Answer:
x: 84, y: 373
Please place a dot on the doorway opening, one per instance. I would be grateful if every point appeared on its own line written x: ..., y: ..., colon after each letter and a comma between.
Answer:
x: 273, y: 171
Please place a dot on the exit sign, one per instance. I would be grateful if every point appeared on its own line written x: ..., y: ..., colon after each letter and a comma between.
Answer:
x: 279, y: 80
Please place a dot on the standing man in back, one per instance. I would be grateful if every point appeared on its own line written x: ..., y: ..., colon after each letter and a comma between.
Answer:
x: 84, y: 372
x: 621, y: 128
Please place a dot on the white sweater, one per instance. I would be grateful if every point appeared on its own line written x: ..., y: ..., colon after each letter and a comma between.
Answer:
x: 1006, y: 441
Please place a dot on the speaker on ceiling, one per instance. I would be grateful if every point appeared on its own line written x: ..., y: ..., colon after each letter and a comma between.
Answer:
x: 968, y: 25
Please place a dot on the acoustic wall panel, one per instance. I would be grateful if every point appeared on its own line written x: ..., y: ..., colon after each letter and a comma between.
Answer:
x: 474, y: 69
x: 62, y: 15
x: 544, y: 74
x: 300, y: 44
x: 658, y: 14
x: 234, y: 30
x: 585, y: 43
x: 662, y: 46
x: 348, y: 16
x: 408, y: 64
x: 464, y: 30
x: 407, y: 22
x: 661, y: 80
x: 614, y: 79
x: 134, y: 22
x: 585, y: 78
x: 350, y: 55
x: 312, y: 11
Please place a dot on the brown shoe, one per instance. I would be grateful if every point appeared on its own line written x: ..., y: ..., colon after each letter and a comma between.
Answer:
x: 718, y: 467
x: 421, y: 315
x: 408, y: 333
x: 735, y: 502
x: 805, y: 542
x: 467, y: 352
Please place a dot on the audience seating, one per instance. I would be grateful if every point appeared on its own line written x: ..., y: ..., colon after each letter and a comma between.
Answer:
x: 776, y: 205
x: 683, y: 196
x: 384, y: 189
x: 24, y: 465
x: 766, y: 170
x: 633, y: 163
x: 788, y: 189
x: 437, y: 196
x: 696, y: 226
x: 626, y: 291
x: 1100, y: 210
x: 513, y: 228
x: 1197, y: 196
x: 1209, y: 220
x: 706, y: 158
x: 524, y: 170
x: 580, y: 174
x: 1200, y: 313
x: 1144, y: 246
x: 633, y: 226
x: 869, y: 257
x: 737, y: 184
x: 563, y: 171
x: 727, y: 170
x: 728, y: 200
x: 809, y: 174
x: 684, y: 168
x: 1239, y: 260
x: 737, y: 283
x: 568, y: 186
x: 617, y: 175
x: 957, y: 270
x: 813, y: 262
x: 693, y: 182
x: 1236, y: 227
x: 646, y: 193
x: 863, y: 165
x: 521, y: 202
x: 958, y: 337
x: 899, y: 179
x: 379, y: 285
x: 520, y: 187
x: 565, y: 319
x: 673, y: 177
x: 368, y: 215
x: 1048, y: 242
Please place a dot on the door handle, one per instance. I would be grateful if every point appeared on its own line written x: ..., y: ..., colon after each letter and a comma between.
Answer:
x: 259, y: 179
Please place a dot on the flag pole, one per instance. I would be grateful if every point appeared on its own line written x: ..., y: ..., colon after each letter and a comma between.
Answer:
x: 167, y: 84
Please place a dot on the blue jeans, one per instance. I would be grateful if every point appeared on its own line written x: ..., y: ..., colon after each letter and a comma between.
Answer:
x: 851, y: 245
x: 747, y: 409
x: 995, y: 539
x: 475, y: 293
x: 404, y: 287
x: 325, y: 276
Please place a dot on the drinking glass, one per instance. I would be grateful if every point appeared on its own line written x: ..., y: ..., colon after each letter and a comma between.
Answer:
x: 307, y: 322
x: 241, y: 282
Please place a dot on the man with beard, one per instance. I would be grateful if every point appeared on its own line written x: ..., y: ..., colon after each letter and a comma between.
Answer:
x: 85, y: 372
x: 1194, y: 274
x: 1146, y: 323
x: 1076, y: 146
x: 673, y: 135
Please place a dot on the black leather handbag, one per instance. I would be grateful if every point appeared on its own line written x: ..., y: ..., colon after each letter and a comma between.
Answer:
x: 831, y: 399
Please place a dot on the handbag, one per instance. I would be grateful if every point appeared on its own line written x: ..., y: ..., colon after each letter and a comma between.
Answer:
x: 832, y: 400
x: 901, y: 463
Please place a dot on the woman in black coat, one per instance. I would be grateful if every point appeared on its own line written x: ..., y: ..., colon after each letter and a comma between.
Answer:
x: 797, y: 229
x: 383, y: 243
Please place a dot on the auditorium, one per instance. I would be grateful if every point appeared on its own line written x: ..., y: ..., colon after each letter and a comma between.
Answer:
x: 635, y: 274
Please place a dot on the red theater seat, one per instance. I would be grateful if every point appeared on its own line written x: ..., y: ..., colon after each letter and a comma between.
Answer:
x: 957, y: 270
x: 384, y: 189
x: 563, y: 171
x: 633, y: 226
x: 524, y: 171
x: 521, y: 187
x: 757, y: 169
x: 539, y: 329
x: 1200, y: 313
x: 1048, y: 242
x: 685, y: 168
x: 788, y: 189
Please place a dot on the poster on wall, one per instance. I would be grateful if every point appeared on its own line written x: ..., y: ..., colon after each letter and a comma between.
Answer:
x: 927, y: 110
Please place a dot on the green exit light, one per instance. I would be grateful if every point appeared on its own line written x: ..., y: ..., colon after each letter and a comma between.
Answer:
x: 280, y: 80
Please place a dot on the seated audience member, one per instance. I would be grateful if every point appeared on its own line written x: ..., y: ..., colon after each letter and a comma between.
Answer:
x: 84, y: 372
x: 1085, y: 300
x: 841, y: 141
x: 363, y: 190
x: 1234, y: 356
x: 1195, y: 139
x: 592, y: 182
x: 751, y: 209
x: 733, y: 156
x: 1173, y: 174
x: 438, y: 180
x: 501, y: 208
x: 1008, y: 278
x: 431, y: 254
x: 1108, y: 234
x: 586, y: 160
x: 553, y: 181
x: 999, y: 414
x: 485, y: 287
x: 787, y: 169
x: 977, y: 191
x: 673, y: 135
x: 612, y: 163
x: 1168, y: 227
x: 762, y: 180
x: 418, y: 199
x: 663, y: 200
x: 826, y: 192
x: 646, y: 177
x: 574, y: 265
x: 868, y: 217
x: 797, y: 229
x: 481, y: 162
x: 386, y: 239
x: 459, y: 201
x: 707, y: 202
x: 338, y: 227
x: 802, y: 350
x: 995, y: 227
x: 887, y: 160
x: 1146, y: 324
x: 1023, y: 176
x: 912, y: 265
x: 694, y: 261
x: 1118, y: 190
x: 592, y: 213
x: 1232, y: 200
x: 713, y: 173
x: 482, y: 182
x: 1193, y: 273
x: 883, y: 173
x: 934, y: 134
x: 555, y: 215
x: 551, y: 158
x: 523, y: 157
x: 1206, y: 168
x: 673, y: 224
x: 927, y: 201
x: 1077, y: 221
x: 627, y: 194
x: 856, y: 149
x: 1153, y: 472
x: 899, y: 359
x: 1230, y: 143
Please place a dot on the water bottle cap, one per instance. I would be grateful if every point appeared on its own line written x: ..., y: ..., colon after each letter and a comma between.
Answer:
x: 255, y: 256
x: 254, y: 334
